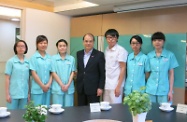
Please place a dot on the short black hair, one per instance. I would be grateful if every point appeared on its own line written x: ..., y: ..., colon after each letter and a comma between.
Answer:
x: 112, y: 32
x: 89, y: 35
x: 61, y: 40
x: 15, y: 45
x: 40, y: 38
x: 138, y: 38
x: 158, y: 35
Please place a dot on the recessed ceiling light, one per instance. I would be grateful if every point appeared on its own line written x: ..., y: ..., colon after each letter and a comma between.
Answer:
x: 5, y: 11
x: 76, y: 5
x: 15, y: 19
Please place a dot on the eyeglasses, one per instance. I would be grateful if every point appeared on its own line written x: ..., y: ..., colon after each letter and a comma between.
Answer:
x: 111, y: 37
x: 135, y: 43
x: 154, y: 40
x: 20, y: 46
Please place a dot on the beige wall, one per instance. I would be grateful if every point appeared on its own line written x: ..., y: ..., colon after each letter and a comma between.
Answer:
x: 7, y: 38
x: 83, y: 25
x: 2, y: 84
x: 52, y: 25
x: 179, y: 96
x: 26, y: 4
x: 34, y: 23
x: 170, y: 20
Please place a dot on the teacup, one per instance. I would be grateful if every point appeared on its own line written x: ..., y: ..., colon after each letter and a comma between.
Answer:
x: 3, y: 110
x: 165, y: 105
x: 104, y: 104
x: 56, y: 107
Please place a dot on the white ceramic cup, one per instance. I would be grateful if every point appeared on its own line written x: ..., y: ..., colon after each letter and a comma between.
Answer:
x: 56, y: 107
x: 165, y: 105
x: 104, y: 104
x: 3, y: 110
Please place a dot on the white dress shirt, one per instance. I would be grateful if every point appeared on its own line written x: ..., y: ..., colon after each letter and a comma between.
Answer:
x: 113, y: 56
x: 86, y: 57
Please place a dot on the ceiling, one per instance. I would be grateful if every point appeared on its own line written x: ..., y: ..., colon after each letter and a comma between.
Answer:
x: 104, y: 6
x: 75, y: 8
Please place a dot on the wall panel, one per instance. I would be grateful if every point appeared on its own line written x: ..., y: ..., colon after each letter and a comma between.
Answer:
x: 125, y: 23
x: 83, y: 25
x: 170, y: 20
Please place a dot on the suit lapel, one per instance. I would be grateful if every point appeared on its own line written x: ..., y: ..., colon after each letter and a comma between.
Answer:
x: 92, y: 56
x: 82, y: 58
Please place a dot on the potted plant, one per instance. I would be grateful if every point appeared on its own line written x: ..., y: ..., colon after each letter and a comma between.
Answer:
x: 35, y: 114
x: 139, y: 104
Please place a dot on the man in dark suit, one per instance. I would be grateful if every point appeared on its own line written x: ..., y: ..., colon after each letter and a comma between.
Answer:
x: 90, y: 72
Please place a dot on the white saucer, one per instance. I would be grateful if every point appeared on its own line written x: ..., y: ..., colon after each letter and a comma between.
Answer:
x: 105, y: 108
x: 166, y: 110
x: 56, y: 112
x: 5, y: 114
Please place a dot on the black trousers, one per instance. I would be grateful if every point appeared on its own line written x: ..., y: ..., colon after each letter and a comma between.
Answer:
x: 84, y: 99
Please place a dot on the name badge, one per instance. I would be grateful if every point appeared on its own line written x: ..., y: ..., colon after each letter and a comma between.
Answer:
x: 95, y: 107
x: 27, y: 66
x: 68, y: 62
x: 181, y: 108
x: 165, y: 59
x: 140, y: 64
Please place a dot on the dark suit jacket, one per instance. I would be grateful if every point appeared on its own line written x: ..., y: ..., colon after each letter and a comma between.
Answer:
x: 92, y: 77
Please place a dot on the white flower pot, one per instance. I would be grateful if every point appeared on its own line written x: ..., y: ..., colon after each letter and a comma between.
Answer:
x: 139, y: 117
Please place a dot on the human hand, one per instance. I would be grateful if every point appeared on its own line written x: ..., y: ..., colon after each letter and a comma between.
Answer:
x: 99, y: 92
x: 45, y: 88
x: 170, y: 96
x: 28, y: 99
x: 64, y: 88
x: 117, y: 91
x: 8, y: 98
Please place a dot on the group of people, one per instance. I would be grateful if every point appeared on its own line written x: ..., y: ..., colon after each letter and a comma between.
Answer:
x: 49, y: 75
x: 112, y: 74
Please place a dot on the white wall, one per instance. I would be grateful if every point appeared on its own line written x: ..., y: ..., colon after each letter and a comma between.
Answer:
x: 52, y: 25
x: 34, y: 23
x: 7, y: 38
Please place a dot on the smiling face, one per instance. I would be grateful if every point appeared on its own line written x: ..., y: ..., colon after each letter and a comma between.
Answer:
x: 158, y: 43
x: 135, y: 45
x: 111, y: 40
x: 88, y: 42
x: 158, y: 40
x: 62, y: 47
x: 42, y: 46
x: 20, y: 48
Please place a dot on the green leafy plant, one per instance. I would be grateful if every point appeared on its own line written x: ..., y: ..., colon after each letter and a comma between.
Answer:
x: 138, y: 101
x: 35, y: 114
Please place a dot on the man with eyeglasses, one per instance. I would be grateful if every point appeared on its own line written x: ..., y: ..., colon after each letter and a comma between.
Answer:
x: 115, y: 56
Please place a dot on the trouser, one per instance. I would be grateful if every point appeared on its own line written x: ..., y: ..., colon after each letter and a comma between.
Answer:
x: 41, y: 99
x: 84, y: 99
x: 109, y: 95
x: 64, y: 99
x: 17, y: 104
